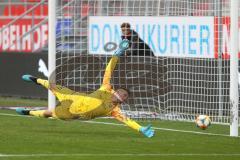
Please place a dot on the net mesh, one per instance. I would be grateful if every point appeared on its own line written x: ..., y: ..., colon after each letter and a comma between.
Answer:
x: 165, y: 87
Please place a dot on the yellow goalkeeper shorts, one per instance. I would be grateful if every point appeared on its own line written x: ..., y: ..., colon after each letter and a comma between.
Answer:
x: 66, y: 97
x: 62, y: 111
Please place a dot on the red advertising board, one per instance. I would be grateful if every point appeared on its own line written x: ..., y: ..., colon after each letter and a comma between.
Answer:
x: 222, y: 37
x: 14, y: 37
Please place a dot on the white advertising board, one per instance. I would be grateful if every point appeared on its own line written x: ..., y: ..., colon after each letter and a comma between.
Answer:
x: 166, y: 36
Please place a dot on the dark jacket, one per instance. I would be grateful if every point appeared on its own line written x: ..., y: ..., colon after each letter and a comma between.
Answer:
x: 137, y: 46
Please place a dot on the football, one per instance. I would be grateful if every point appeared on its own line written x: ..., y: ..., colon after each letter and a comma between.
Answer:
x: 203, y: 121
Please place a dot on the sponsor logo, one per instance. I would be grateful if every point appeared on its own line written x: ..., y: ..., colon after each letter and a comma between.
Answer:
x: 166, y: 36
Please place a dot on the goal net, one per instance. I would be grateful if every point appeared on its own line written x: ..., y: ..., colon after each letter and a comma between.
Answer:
x: 177, y: 66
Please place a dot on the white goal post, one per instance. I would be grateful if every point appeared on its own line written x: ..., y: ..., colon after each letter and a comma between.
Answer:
x: 234, y: 46
x: 181, y: 68
x: 51, y: 49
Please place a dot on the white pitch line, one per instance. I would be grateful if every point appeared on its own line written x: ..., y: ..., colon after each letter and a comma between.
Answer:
x: 158, y: 128
x: 121, y: 155
x: 117, y: 124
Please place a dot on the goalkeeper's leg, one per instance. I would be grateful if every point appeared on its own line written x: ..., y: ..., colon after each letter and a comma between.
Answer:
x: 60, y: 112
x: 62, y: 93
x: 36, y: 113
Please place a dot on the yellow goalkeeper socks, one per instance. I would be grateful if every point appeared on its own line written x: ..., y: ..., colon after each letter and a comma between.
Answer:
x: 39, y: 113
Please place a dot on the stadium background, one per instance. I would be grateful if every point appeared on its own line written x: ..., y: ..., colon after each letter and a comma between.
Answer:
x: 28, y: 138
x: 30, y: 54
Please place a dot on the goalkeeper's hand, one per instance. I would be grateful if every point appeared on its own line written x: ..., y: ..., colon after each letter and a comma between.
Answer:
x: 123, y: 46
x: 147, y: 131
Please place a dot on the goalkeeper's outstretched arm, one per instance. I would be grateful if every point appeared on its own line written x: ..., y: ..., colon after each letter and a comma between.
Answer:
x: 123, y: 46
x: 121, y: 95
x: 147, y: 131
x: 109, y: 70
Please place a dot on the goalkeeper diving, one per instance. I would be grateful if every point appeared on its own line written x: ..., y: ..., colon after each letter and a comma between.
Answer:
x: 101, y: 103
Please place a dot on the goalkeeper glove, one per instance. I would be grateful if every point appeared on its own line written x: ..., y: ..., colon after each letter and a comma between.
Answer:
x: 147, y: 131
x: 123, y: 46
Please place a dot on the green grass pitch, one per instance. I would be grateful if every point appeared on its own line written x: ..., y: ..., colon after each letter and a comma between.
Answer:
x: 30, y: 138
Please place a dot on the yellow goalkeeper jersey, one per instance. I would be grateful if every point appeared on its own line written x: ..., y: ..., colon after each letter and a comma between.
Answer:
x: 88, y: 106
x: 99, y: 103
x: 93, y: 105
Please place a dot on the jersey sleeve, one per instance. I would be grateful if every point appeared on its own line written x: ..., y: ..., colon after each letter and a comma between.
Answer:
x: 116, y: 113
x: 109, y: 70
